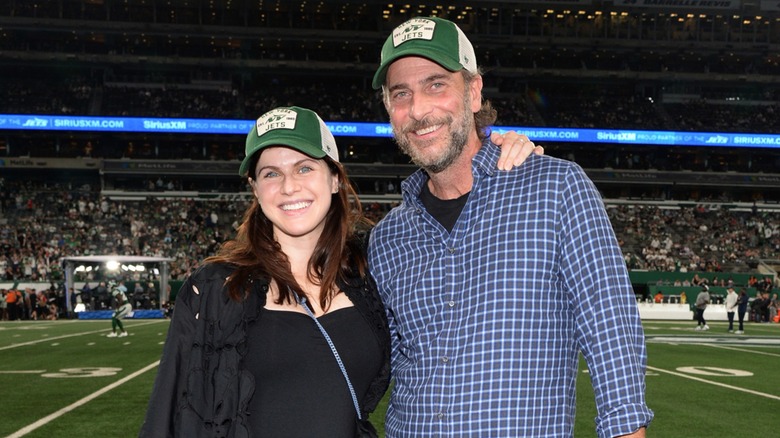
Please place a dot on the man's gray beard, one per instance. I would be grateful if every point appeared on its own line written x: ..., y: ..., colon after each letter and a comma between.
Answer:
x: 458, y: 140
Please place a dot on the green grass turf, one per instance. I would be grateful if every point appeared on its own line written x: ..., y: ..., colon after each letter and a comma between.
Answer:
x: 48, y: 367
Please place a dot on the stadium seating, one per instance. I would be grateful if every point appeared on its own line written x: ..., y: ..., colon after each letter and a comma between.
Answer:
x: 606, y: 66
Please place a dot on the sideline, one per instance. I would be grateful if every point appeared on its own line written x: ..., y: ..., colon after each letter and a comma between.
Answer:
x: 715, y: 340
x: 723, y: 385
x: 38, y: 341
x: 43, y: 421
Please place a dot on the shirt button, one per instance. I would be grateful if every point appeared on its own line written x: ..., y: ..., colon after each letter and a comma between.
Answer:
x: 440, y: 415
x: 451, y: 250
x: 445, y: 359
x: 451, y: 304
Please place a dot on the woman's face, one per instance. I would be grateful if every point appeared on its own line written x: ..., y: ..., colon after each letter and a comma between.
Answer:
x: 294, y: 192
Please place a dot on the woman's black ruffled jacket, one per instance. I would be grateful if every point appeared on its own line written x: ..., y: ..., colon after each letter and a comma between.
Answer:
x: 201, y: 389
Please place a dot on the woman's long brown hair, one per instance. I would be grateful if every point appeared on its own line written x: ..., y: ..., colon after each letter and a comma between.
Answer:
x: 337, y: 255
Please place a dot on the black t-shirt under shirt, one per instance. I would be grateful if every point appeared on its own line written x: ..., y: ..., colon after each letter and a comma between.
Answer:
x: 445, y: 211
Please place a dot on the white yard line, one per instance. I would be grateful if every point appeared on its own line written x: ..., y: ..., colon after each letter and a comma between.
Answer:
x: 765, y: 353
x: 51, y: 417
x: 38, y: 341
x: 722, y: 385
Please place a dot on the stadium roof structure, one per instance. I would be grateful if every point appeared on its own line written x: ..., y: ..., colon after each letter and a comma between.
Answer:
x: 71, y: 262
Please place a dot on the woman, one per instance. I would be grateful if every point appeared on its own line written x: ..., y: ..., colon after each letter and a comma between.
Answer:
x: 243, y: 358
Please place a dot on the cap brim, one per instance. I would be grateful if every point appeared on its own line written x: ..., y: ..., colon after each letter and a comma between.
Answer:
x: 433, y: 55
x: 283, y: 141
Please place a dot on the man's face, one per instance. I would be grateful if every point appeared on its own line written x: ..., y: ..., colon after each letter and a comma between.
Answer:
x: 431, y: 110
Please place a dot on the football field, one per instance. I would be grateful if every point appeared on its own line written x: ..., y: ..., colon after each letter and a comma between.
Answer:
x: 67, y: 379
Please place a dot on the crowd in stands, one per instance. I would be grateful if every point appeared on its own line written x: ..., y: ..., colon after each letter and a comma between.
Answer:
x: 208, y: 33
x: 596, y: 105
x: 593, y: 106
x: 346, y: 102
x: 42, y: 222
x: 40, y: 225
x: 323, y: 31
x: 695, y: 239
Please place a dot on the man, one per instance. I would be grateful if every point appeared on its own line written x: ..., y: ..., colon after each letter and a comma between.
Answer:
x: 756, y: 307
x: 122, y: 309
x: 742, y: 305
x: 700, y: 305
x: 101, y: 297
x: 12, y: 302
x: 731, y: 306
x: 483, y: 271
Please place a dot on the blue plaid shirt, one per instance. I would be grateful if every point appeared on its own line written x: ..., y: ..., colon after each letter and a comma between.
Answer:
x: 488, y: 321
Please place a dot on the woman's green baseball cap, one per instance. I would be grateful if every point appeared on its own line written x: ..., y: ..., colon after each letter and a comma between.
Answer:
x: 434, y: 38
x: 297, y: 128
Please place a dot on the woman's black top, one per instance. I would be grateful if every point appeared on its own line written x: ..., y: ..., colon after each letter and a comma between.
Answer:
x: 300, y: 390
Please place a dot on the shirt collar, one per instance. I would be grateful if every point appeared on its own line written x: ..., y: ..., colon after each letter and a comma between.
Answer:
x: 484, y: 162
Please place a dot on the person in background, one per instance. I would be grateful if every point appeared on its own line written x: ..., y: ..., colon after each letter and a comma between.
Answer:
x: 139, y: 295
x: 755, y: 307
x: 12, y: 298
x: 742, y: 307
x: 700, y: 305
x: 763, y: 308
x: 53, y: 311
x: 659, y: 297
x: 765, y: 286
x: 101, y: 297
x: 3, y: 306
x: 30, y: 302
x: 467, y: 265
x: 731, y: 306
x: 41, y: 309
x: 87, y: 296
x: 773, y: 307
x: 122, y: 308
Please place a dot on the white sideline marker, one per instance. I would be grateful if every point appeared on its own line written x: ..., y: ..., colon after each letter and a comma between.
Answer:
x: 31, y: 427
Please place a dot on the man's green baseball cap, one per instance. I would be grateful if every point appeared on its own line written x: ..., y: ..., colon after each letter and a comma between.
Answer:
x: 434, y: 38
x: 297, y: 128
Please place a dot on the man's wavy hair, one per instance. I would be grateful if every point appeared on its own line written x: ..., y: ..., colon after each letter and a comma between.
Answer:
x: 487, y: 115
